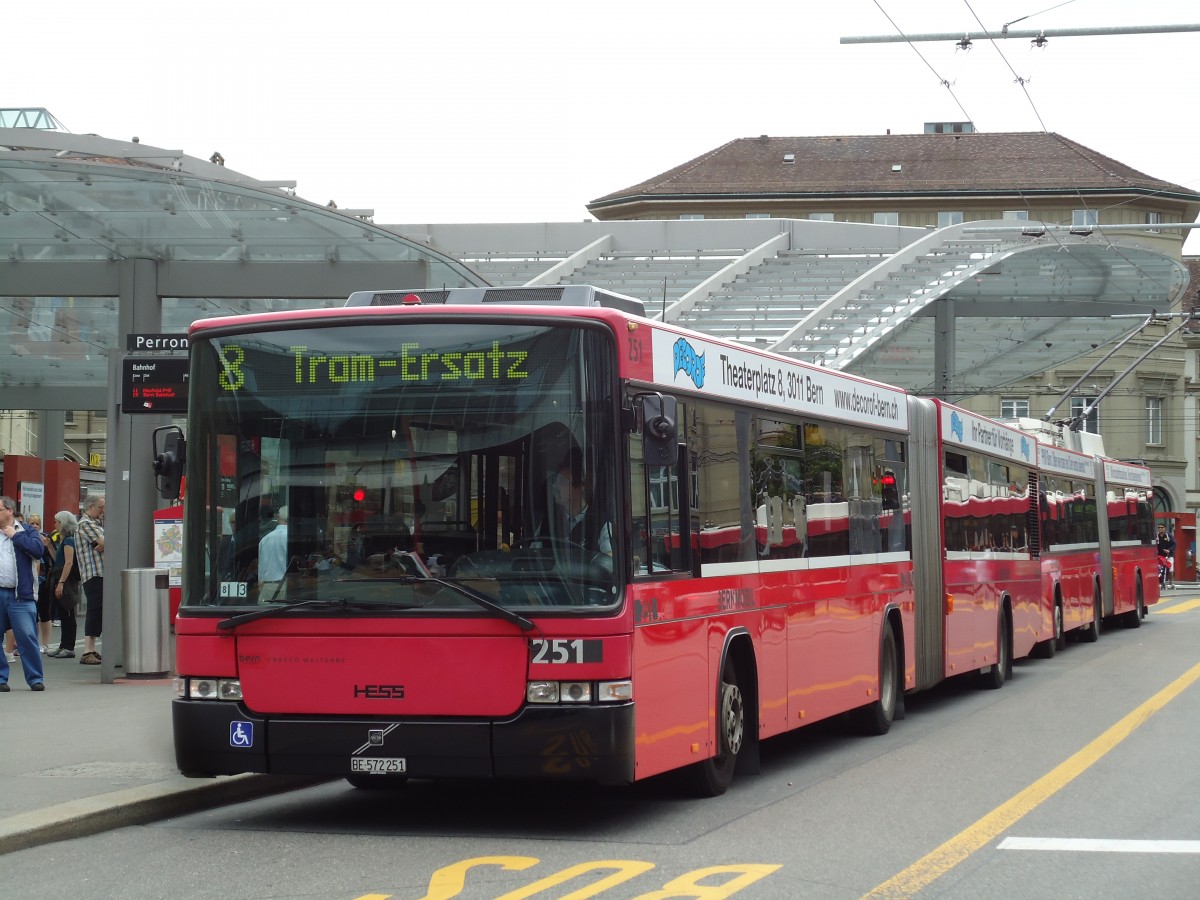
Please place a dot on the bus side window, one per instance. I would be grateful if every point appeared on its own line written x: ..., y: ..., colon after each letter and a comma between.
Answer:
x: 659, y: 544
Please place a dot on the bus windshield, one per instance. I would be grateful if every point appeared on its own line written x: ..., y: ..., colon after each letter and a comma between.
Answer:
x: 438, y: 467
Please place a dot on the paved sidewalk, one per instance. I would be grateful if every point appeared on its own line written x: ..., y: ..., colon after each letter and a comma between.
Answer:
x: 82, y: 757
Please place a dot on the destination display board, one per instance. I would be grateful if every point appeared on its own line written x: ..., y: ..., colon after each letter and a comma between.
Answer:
x: 154, y: 384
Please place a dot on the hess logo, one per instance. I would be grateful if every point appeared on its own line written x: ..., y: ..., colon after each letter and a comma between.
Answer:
x: 379, y: 691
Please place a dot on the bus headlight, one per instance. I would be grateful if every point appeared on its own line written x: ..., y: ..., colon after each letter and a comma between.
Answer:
x: 541, y: 692
x: 575, y: 692
x: 212, y: 689
x: 229, y: 689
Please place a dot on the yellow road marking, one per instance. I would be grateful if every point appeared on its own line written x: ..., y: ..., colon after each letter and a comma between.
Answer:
x: 934, y: 865
x: 1185, y: 606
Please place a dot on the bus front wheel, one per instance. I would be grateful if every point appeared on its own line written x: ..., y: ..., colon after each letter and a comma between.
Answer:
x: 712, y: 777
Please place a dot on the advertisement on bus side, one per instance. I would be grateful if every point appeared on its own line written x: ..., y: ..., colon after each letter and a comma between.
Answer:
x: 719, y: 370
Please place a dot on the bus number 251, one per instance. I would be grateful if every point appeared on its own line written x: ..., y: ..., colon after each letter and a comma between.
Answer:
x: 564, y: 650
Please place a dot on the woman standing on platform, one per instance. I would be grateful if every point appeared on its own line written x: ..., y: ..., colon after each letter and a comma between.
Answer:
x: 45, y: 596
x: 64, y: 586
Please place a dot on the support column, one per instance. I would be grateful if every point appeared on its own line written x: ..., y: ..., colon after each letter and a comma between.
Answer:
x: 52, y: 434
x: 944, y: 363
x: 129, y: 486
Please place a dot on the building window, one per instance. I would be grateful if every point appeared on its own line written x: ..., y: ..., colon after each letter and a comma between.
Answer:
x: 1014, y: 408
x: 954, y: 217
x: 691, y: 215
x: 820, y: 217
x: 1084, y: 218
x: 1154, y: 218
x: 887, y: 218
x: 1020, y: 215
x: 1154, y: 432
x: 1092, y: 423
x: 758, y: 215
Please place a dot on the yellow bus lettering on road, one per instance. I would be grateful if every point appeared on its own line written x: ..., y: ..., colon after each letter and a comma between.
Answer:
x: 448, y: 881
x: 688, y: 885
x: 626, y: 869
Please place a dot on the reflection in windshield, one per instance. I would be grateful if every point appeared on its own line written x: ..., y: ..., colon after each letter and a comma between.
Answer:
x: 432, y: 466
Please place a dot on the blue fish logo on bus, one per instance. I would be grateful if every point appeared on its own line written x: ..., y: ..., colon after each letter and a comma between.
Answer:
x: 1026, y: 449
x: 688, y: 361
x: 956, y: 425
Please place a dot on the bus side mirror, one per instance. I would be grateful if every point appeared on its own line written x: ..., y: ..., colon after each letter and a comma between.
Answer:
x: 660, y: 433
x: 168, y: 465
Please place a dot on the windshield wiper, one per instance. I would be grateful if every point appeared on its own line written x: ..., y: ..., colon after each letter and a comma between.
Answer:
x: 346, y: 603
x: 474, y: 596
x: 342, y: 603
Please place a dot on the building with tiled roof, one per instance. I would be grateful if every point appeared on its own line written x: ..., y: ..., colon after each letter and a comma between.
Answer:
x: 905, y: 179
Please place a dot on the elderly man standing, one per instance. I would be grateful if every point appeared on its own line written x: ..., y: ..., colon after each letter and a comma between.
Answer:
x: 89, y: 550
x: 20, y: 549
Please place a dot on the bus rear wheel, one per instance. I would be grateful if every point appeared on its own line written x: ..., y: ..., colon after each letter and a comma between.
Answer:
x: 997, y: 674
x: 1133, y: 618
x: 877, y: 717
x: 1047, y: 648
x: 712, y: 777
x: 1090, y: 633
x: 1060, y: 632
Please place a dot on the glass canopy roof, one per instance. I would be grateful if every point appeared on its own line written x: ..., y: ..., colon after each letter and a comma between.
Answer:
x: 72, y: 197
x: 68, y: 198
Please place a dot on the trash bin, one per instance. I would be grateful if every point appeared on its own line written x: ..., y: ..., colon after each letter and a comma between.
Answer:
x: 146, y: 613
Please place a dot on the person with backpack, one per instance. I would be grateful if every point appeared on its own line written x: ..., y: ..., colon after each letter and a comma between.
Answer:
x: 64, y: 584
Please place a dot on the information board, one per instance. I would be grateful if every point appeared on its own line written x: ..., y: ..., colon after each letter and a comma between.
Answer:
x: 154, y: 384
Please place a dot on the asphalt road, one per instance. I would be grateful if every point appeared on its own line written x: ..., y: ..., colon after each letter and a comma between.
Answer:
x: 1077, y: 779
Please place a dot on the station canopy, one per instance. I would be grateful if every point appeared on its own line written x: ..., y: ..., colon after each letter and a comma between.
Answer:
x: 74, y: 207
x: 1013, y: 302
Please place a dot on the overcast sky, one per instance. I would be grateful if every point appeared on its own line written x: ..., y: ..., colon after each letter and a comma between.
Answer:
x: 524, y: 111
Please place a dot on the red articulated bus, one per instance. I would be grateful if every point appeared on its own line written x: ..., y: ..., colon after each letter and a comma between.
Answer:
x: 1098, y: 558
x: 1130, y: 565
x: 493, y: 532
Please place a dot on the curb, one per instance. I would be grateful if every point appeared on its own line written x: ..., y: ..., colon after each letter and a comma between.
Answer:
x: 139, y: 806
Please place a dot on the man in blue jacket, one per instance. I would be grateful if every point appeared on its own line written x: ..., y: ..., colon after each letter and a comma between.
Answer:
x: 20, y: 549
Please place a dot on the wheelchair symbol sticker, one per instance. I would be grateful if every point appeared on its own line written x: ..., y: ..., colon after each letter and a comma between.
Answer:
x: 241, y: 734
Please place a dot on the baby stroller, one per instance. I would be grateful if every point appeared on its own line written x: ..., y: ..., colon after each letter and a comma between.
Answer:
x: 1165, y: 578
